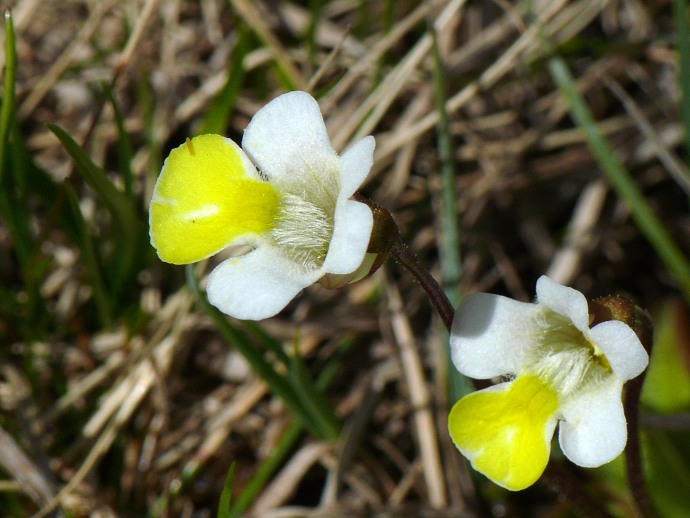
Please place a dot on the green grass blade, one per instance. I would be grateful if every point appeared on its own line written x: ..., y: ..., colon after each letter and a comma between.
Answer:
x: 15, y: 203
x: 682, y: 40
x: 129, y: 232
x: 278, y: 384
x: 312, y: 30
x: 267, y: 341
x: 119, y: 205
x: 315, y: 403
x: 218, y: 114
x: 145, y: 97
x: 124, y: 145
x: 266, y: 469
x: 308, y: 391
x: 449, y: 243
x: 288, y: 439
x: 7, y: 108
x: 226, y: 494
x: 90, y: 258
x: 450, y: 233
x: 616, y: 174
x: 16, y: 217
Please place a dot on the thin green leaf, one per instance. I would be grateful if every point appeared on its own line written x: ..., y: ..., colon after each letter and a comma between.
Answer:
x: 278, y: 384
x: 273, y: 345
x: 682, y: 37
x: 128, y: 231
x: 117, y: 202
x: 667, y: 384
x: 618, y: 176
x: 16, y: 216
x: 315, y: 403
x: 145, y: 96
x: 288, y: 439
x: 312, y: 29
x: 218, y: 114
x: 668, y: 457
x: 266, y: 469
x: 449, y: 244
x: 124, y: 145
x: 226, y: 494
x: 90, y: 259
x: 7, y: 108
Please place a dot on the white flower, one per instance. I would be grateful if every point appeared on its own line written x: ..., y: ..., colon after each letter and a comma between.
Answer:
x: 559, y: 371
x: 285, y: 193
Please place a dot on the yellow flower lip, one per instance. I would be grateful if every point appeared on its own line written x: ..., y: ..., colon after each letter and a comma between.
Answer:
x: 506, y: 432
x: 206, y: 198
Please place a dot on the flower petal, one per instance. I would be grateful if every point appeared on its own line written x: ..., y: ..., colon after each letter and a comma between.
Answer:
x: 505, y: 431
x: 207, y: 196
x: 287, y: 139
x: 493, y: 335
x: 593, y: 431
x: 355, y: 164
x: 565, y: 301
x: 352, y: 226
x: 622, y: 348
x: 256, y: 285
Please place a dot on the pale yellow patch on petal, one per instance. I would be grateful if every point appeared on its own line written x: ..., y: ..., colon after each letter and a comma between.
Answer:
x: 204, y: 200
x: 506, y: 434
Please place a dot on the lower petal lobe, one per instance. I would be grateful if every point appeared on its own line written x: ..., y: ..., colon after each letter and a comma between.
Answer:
x: 205, y: 199
x: 505, y: 431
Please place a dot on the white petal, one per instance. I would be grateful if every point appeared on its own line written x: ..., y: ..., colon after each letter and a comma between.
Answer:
x: 622, y: 348
x: 256, y: 285
x: 565, y: 301
x: 355, y: 164
x: 286, y: 134
x: 351, y: 233
x: 493, y: 335
x: 594, y: 430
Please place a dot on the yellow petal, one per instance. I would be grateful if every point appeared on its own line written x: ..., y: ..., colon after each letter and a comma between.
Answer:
x: 205, y: 199
x: 506, y: 432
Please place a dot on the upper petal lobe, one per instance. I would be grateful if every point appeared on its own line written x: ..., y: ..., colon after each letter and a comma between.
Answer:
x: 287, y: 135
x: 493, y: 335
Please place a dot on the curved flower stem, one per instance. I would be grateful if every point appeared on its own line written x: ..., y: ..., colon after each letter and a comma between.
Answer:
x: 633, y: 453
x: 622, y: 309
x: 642, y: 325
x: 386, y: 241
x: 401, y: 252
